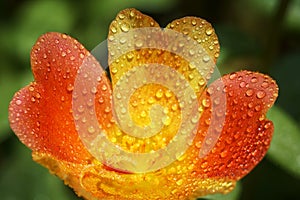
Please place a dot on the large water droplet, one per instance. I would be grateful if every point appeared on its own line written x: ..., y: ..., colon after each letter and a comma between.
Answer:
x: 209, y: 31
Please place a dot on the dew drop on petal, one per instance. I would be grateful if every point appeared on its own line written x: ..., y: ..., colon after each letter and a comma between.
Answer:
x: 125, y: 27
x: 209, y: 31
x: 253, y: 80
x: 70, y: 88
x: 18, y: 102
x: 104, y: 87
x: 114, y: 70
x: 206, y: 103
x: 101, y: 100
x: 242, y: 84
x: 205, y: 58
x: 113, y: 29
x: 159, y: 94
x: 257, y: 108
x: 265, y: 84
x: 194, y: 22
x: 91, y: 129
x: 232, y: 76
x: 249, y: 92
x: 260, y: 94
x: 174, y: 107
x: 139, y: 43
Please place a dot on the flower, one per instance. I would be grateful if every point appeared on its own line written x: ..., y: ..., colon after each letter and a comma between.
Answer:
x: 231, y: 134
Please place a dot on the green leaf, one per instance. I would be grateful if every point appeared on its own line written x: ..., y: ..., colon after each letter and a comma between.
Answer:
x: 37, y: 17
x: 235, y: 194
x: 22, y: 178
x: 285, y: 145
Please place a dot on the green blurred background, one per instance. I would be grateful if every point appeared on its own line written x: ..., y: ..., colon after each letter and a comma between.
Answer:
x: 259, y: 35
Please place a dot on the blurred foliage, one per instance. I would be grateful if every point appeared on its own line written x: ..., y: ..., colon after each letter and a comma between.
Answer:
x: 260, y: 35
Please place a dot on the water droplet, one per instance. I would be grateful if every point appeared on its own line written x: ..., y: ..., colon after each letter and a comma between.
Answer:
x: 201, y: 82
x: 123, y: 40
x: 166, y: 121
x: 123, y: 110
x: 174, y: 107
x: 143, y: 114
x: 18, y: 102
x: 151, y: 100
x: 265, y: 84
x: 129, y: 56
x: 101, y: 100
x: 81, y: 55
x: 168, y: 94
x: 179, y: 182
x: 94, y: 90
x: 121, y: 16
x: 191, y: 52
x: 195, y: 120
x: 206, y: 103
x: 260, y: 94
x: 125, y: 27
x: 209, y: 31
x: 257, y: 108
x: 249, y: 92
x: 72, y: 58
x: 70, y: 87
x: 232, y: 76
x: 194, y: 22
x: 250, y: 113
x: 114, y: 70
x: 224, y: 154
x: 205, y: 58
x: 159, y: 94
x: 267, y: 125
x: 204, y: 165
x: 132, y: 14
x: 250, y: 105
x: 249, y: 129
x: 31, y: 88
x: 242, y: 84
x: 253, y: 80
x: 80, y: 109
x: 113, y: 29
x: 139, y: 43
x: 217, y: 101
x: 104, y: 87
x: 63, y: 54
x: 91, y: 129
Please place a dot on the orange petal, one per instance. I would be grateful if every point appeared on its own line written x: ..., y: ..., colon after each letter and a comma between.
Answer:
x: 245, y: 133
x: 41, y: 114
